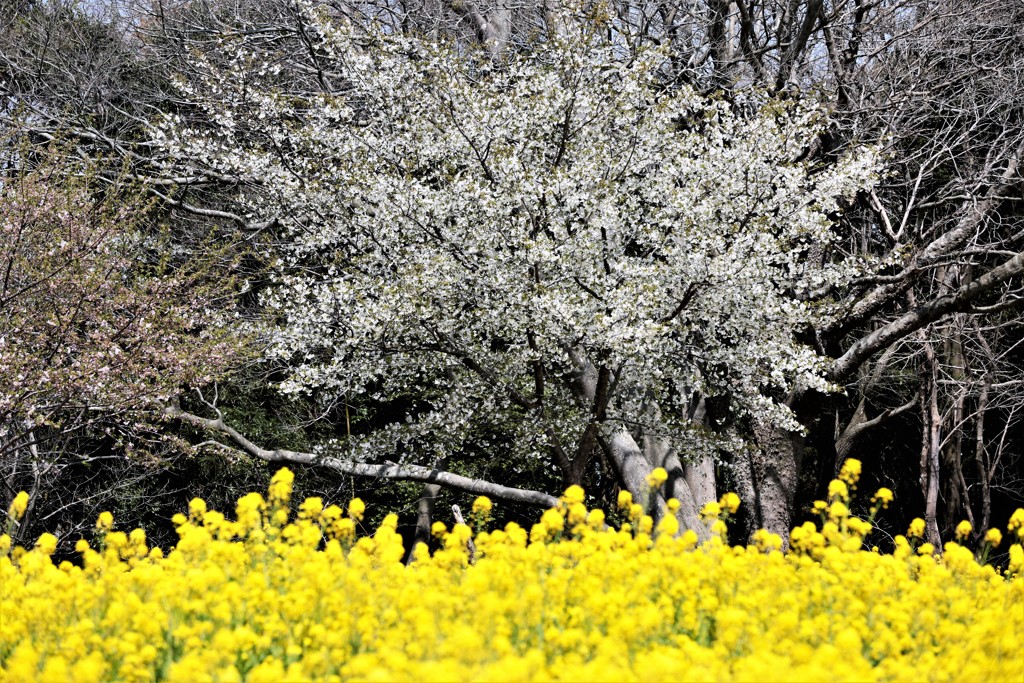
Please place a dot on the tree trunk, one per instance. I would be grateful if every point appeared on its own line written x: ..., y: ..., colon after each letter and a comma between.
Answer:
x: 931, y: 444
x: 633, y: 466
x: 742, y: 466
x: 776, y: 472
x: 424, y: 517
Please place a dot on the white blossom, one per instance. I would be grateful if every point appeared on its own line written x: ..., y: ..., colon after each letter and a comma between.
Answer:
x: 456, y: 232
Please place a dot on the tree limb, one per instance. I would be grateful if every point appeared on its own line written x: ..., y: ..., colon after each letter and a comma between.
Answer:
x: 388, y: 470
x: 960, y: 300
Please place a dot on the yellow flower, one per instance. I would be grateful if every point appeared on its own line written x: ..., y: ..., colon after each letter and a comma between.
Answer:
x: 573, y: 494
x: 482, y: 505
x: 838, y: 511
x: 688, y: 540
x: 858, y: 526
x: 673, y: 505
x: 1016, y: 523
x: 197, y: 507
x: 994, y: 537
x: 635, y: 511
x: 883, y: 497
x: 625, y: 499
x: 552, y: 519
x: 657, y: 477
x: 838, y: 489
x: 438, y: 529
x: 1016, y: 564
x: 916, y: 528
x: 18, y: 505
x: 767, y: 541
x: 668, y: 526
x: 311, y: 508
x: 850, y: 471
x: 730, y: 502
x: 345, y: 529
x: 105, y: 521
x: 711, y: 510
x: 356, y: 509
x: 963, y: 530
x: 577, y: 513
x: 47, y: 544
x: 280, y: 491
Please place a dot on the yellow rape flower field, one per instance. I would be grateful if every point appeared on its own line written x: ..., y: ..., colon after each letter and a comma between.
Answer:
x: 273, y: 596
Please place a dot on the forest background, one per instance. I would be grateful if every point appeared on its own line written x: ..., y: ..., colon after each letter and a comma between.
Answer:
x: 179, y: 184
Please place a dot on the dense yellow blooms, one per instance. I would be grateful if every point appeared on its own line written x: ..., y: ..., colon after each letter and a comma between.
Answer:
x: 657, y: 477
x: 18, y: 505
x: 882, y: 497
x: 916, y: 528
x: 850, y: 471
x: 272, y: 596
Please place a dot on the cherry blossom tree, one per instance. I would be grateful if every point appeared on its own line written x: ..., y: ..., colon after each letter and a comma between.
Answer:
x: 98, y: 326
x: 556, y: 249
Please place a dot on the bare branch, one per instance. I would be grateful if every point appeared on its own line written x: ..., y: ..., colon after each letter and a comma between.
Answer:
x: 390, y: 470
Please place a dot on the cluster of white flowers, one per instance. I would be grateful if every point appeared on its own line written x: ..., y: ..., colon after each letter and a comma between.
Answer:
x: 462, y: 233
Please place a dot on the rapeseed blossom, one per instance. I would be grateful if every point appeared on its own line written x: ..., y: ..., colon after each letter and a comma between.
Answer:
x: 850, y: 471
x: 273, y: 596
x: 916, y: 528
x: 882, y: 497
x: 657, y: 477
x: 18, y: 505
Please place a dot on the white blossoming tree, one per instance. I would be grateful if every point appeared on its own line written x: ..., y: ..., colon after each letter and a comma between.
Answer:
x: 554, y: 248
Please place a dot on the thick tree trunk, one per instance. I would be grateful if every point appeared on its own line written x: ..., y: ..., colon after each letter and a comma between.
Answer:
x: 692, y: 484
x: 634, y: 458
x: 742, y: 464
x: 775, y: 465
x: 700, y: 477
x: 634, y: 466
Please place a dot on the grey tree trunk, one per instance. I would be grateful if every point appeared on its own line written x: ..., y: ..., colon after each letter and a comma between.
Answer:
x: 775, y: 465
x: 424, y: 517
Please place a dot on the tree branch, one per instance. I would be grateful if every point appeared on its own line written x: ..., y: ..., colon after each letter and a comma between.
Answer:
x: 388, y: 470
x: 960, y: 300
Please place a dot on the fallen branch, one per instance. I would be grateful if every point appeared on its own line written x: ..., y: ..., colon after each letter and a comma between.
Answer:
x: 387, y: 470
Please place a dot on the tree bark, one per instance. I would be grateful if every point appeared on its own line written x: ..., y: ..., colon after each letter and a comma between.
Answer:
x: 775, y: 465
